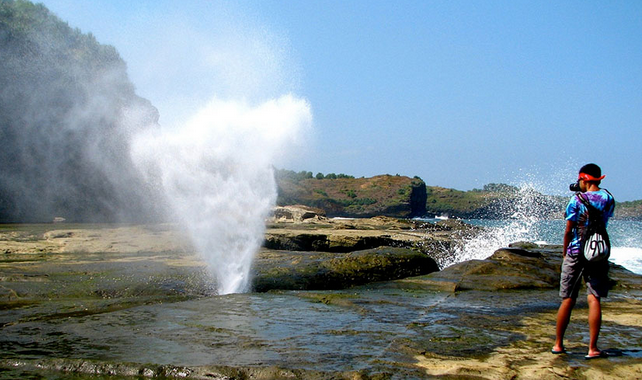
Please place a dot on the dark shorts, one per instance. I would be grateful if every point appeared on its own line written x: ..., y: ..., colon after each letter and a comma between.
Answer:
x: 596, y: 276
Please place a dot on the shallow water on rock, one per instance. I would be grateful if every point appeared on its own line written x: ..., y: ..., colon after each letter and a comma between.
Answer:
x: 241, y: 329
x: 376, y: 328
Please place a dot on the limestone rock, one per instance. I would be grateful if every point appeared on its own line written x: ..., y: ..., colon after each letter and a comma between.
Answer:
x: 297, y: 214
x: 286, y: 270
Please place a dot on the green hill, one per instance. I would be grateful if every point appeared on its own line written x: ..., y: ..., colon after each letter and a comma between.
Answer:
x: 497, y: 201
x: 629, y: 210
x: 494, y: 201
x: 341, y: 195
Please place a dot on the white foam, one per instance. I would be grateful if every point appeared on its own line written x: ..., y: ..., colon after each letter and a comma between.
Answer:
x: 628, y: 257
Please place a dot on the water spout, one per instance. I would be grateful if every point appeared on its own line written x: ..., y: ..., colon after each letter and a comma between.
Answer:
x: 216, y: 173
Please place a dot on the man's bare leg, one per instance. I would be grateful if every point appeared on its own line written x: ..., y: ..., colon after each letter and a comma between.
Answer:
x: 595, y: 323
x: 563, y: 319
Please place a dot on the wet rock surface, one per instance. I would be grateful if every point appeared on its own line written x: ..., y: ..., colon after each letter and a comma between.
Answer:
x: 286, y: 270
x: 134, y: 301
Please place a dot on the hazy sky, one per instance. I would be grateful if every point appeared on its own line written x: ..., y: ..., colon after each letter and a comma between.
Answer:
x: 459, y: 93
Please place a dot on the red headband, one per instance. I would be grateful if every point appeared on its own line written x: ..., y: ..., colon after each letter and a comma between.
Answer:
x: 590, y: 178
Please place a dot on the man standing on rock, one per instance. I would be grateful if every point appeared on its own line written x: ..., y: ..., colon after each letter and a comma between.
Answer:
x: 575, y: 265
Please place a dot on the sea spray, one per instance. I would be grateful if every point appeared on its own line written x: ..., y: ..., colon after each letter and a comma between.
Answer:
x: 626, y: 244
x: 523, y: 208
x: 528, y: 216
x: 216, y: 174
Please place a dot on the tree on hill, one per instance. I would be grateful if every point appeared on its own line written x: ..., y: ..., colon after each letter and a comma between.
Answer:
x: 500, y: 188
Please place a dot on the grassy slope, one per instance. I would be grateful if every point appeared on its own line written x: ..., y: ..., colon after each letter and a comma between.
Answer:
x: 380, y: 195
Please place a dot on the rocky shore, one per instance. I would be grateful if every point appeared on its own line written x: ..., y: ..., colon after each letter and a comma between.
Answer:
x: 333, y: 299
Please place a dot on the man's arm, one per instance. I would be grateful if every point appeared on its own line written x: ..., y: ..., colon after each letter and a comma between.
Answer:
x: 568, y: 235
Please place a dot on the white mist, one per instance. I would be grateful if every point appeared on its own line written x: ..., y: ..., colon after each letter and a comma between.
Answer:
x: 216, y: 172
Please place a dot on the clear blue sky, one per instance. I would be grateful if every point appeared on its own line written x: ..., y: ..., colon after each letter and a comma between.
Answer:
x: 460, y: 93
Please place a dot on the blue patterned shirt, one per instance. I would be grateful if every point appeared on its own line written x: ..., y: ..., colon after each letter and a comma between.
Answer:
x: 577, y: 212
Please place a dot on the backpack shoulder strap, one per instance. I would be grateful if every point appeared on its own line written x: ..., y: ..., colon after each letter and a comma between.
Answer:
x: 592, y: 209
x: 584, y: 201
x: 612, y: 199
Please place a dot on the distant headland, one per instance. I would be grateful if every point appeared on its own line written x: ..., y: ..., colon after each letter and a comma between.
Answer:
x: 401, y: 196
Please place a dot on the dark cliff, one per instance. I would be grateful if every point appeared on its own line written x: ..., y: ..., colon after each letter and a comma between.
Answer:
x: 67, y: 111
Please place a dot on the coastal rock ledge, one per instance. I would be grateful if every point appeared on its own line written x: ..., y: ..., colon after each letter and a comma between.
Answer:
x: 83, y: 301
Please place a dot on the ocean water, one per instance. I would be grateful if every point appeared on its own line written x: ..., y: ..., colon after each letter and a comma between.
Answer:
x: 626, y: 239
